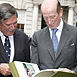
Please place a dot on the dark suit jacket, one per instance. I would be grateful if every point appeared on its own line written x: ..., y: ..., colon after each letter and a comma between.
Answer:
x: 43, y: 54
x: 22, y: 49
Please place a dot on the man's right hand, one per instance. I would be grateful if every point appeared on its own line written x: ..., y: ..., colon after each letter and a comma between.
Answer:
x: 4, y: 69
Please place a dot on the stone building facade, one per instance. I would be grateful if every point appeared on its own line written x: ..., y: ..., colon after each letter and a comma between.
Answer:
x: 30, y: 17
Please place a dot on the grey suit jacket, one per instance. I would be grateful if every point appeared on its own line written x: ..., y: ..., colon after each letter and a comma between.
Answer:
x: 22, y: 49
x: 43, y: 54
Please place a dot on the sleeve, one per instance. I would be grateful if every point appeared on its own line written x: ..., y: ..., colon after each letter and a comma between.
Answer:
x: 35, y: 51
x: 27, y: 48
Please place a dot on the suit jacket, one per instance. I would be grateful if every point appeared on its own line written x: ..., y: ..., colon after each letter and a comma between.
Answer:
x: 21, y: 51
x: 43, y: 54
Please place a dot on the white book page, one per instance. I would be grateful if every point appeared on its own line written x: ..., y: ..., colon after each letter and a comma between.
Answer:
x: 32, y: 69
x: 26, y: 69
x: 20, y: 69
x: 51, y: 70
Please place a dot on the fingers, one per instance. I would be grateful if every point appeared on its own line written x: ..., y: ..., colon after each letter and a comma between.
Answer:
x: 4, y: 69
x: 66, y: 70
x: 5, y: 72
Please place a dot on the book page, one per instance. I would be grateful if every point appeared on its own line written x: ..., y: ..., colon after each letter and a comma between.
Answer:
x: 26, y: 69
x: 20, y: 69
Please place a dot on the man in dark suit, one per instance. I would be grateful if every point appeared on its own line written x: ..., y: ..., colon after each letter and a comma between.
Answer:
x: 42, y: 47
x: 19, y: 42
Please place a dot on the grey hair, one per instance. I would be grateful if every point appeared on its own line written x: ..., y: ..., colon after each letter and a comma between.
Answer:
x: 6, y: 11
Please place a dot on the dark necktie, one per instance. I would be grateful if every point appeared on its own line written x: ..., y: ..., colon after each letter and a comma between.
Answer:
x: 54, y: 40
x: 7, y: 47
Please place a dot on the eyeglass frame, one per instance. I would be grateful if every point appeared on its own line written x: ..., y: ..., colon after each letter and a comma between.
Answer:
x: 50, y: 17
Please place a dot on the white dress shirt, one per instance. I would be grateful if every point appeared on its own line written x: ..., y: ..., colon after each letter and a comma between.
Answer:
x: 58, y: 33
x: 11, y: 43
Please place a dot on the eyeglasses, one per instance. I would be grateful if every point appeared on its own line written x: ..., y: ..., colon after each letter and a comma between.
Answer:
x: 10, y: 24
x: 50, y: 17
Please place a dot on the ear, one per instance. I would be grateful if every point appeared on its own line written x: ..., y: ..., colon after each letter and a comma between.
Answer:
x: 61, y: 12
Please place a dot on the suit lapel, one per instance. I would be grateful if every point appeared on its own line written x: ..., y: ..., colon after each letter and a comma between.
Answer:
x: 48, y: 42
x: 17, y: 44
x: 63, y: 39
x: 2, y: 52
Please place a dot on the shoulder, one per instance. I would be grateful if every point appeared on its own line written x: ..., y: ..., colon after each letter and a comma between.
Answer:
x: 70, y: 27
x: 20, y: 33
x: 41, y: 32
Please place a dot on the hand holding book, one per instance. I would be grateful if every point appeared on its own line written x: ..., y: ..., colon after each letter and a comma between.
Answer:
x: 66, y: 70
x: 4, y: 69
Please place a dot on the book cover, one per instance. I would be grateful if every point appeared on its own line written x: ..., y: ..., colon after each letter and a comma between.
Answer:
x: 64, y: 74
x: 57, y: 73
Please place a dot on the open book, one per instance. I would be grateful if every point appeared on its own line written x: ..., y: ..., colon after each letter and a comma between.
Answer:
x: 23, y: 69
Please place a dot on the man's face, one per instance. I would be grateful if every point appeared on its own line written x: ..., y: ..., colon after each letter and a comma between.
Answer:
x: 52, y: 18
x: 9, y: 26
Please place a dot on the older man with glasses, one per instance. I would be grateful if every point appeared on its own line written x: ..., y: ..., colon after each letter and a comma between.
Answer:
x: 55, y: 46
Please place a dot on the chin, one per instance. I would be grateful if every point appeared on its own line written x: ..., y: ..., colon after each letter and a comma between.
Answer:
x: 52, y: 27
x: 11, y: 34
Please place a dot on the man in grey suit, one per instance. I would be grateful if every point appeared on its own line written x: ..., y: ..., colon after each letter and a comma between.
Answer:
x: 42, y: 47
x: 19, y: 41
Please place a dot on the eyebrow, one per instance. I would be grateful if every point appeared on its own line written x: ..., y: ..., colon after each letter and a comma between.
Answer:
x: 11, y: 23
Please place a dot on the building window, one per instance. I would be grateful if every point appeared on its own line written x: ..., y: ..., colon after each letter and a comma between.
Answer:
x: 21, y: 27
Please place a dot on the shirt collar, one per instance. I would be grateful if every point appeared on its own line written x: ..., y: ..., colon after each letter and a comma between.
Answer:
x: 60, y: 27
x: 1, y: 34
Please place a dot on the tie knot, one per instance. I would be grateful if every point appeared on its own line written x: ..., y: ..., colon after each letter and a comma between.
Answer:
x: 6, y: 36
x: 54, y: 30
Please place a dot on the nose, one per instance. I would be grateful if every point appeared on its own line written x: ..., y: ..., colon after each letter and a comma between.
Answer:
x: 12, y: 26
x: 49, y: 21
